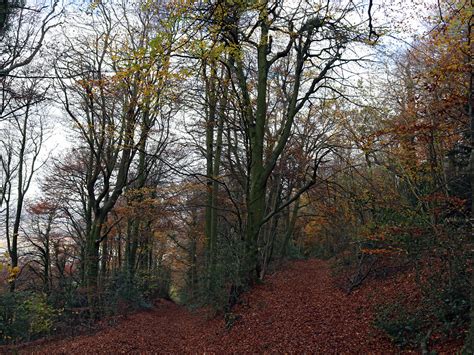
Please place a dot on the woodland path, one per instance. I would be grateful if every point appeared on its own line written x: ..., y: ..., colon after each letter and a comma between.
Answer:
x: 296, y: 310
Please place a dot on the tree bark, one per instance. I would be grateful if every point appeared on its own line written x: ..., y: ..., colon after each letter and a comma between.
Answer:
x: 469, y: 343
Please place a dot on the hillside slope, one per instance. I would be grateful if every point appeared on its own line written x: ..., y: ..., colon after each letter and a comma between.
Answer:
x: 296, y: 310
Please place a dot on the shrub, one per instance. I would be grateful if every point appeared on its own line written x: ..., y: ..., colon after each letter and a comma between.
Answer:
x: 404, y: 327
x: 135, y: 292
x: 24, y: 316
x: 448, y: 302
x: 295, y: 252
x: 226, y: 283
x: 443, y: 309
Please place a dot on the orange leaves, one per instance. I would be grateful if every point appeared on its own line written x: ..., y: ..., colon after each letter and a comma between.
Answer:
x: 42, y: 207
x: 382, y: 251
x: 442, y: 205
x: 297, y: 310
x: 430, y: 117
x: 315, y: 225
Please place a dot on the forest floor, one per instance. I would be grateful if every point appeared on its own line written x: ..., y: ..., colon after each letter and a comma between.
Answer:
x: 296, y: 310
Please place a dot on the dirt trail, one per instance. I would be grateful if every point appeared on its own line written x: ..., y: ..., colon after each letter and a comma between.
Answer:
x: 296, y: 310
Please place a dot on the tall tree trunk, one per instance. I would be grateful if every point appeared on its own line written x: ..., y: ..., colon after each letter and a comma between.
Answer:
x: 290, y: 229
x: 21, y: 190
x: 47, y: 257
x: 211, y: 98
x: 131, y: 247
x: 257, y: 178
x: 216, y: 111
x: 104, y: 259
x: 271, y: 229
x: 92, y: 258
x: 469, y: 343
x: 135, y: 226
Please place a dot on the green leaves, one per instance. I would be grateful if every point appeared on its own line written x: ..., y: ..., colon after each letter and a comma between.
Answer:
x: 24, y: 316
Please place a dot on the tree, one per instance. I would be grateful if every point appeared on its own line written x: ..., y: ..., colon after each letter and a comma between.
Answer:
x: 43, y: 237
x: 399, y: 193
x: 22, y: 138
x: 23, y: 29
x: 120, y: 112
x: 314, y: 41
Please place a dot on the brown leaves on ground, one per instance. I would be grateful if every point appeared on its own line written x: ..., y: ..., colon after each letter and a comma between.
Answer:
x: 296, y: 310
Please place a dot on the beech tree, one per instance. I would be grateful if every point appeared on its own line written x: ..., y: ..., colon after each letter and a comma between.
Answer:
x: 118, y: 108
x: 311, y: 37
x: 210, y: 141
x: 22, y: 136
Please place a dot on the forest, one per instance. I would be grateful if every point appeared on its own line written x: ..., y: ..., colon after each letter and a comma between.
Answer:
x: 220, y: 176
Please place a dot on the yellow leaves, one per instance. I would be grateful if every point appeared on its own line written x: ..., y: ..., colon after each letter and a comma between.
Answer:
x: 94, y: 4
x: 13, y: 273
x: 315, y: 226
x: 370, y: 42
x: 367, y: 146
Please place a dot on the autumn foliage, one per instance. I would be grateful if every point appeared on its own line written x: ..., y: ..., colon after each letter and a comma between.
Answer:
x: 209, y: 144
